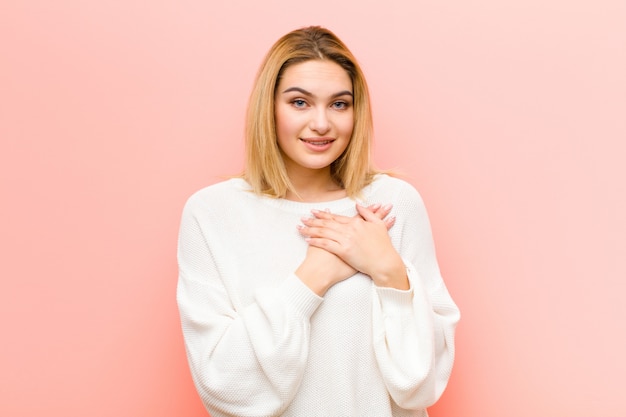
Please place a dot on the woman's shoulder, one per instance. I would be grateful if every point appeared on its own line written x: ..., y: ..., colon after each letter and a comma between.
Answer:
x: 404, y: 197
x: 223, y: 192
x: 394, y: 186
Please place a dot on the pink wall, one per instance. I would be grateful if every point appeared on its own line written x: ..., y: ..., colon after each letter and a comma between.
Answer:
x: 509, y: 116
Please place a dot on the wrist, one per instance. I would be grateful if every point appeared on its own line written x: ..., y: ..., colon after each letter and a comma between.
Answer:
x: 393, y: 276
x: 313, y: 277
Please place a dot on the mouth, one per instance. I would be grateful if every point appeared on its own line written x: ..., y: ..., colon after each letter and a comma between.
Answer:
x: 317, y: 141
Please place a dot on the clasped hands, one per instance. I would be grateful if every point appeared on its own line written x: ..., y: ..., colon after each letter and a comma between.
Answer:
x: 339, y: 246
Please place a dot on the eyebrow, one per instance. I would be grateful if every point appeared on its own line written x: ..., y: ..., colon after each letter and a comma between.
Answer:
x: 307, y: 93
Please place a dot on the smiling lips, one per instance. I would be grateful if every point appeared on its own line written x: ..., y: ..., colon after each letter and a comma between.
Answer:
x: 317, y: 141
x: 317, y: 144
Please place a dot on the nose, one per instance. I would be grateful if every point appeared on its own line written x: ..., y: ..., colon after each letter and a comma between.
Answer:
x: 320, y: 122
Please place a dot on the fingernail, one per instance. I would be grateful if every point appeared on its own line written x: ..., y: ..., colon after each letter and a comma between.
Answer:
x: 376, y: 206
x: 387, y: 207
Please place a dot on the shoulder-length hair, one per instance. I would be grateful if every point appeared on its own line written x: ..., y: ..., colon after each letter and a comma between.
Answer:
x: 265, y: 168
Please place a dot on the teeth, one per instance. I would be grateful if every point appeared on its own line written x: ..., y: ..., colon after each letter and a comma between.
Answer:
x: 318, y: 143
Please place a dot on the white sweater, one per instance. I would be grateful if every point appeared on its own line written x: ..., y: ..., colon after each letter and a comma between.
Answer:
x: 261, y: 343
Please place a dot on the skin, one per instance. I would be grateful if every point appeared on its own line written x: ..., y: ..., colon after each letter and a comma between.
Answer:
x: 314, y: 123
x: 313, y: 104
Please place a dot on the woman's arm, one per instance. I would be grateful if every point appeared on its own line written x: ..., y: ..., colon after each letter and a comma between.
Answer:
x: 414, y: 317
x: 244, y: 361
x: 413, y: 331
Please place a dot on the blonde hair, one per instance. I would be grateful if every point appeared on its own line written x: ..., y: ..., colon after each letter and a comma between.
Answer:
x: 265, y: 168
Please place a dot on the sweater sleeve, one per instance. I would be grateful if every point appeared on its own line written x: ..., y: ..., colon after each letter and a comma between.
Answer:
x: 413, y: 330
x: 246, y: 360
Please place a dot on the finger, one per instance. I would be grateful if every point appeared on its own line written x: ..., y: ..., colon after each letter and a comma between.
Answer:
x: 321, y: 233
x: 328, y: 222
x: 329, y: 245
x: 389, y: 222
x: 327, y: 215
x: 369, y: 216
x: 383, y: 211
x: 374, y: 207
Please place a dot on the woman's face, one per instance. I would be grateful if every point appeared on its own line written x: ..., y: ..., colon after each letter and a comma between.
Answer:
x: 314, y: 114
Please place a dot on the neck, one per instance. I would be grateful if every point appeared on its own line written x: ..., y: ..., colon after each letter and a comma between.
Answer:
x: 314, y: 186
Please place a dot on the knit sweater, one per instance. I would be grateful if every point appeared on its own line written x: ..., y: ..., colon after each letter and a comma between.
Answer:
x: 260, y: 343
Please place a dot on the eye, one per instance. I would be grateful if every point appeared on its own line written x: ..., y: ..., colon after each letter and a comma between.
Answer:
x: 340, y: 105
x: 298, y: 103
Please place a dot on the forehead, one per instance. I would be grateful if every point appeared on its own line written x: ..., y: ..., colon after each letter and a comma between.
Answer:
x: 316, y: 76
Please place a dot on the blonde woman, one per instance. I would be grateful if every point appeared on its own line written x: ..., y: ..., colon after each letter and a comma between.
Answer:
x: 309, y: 285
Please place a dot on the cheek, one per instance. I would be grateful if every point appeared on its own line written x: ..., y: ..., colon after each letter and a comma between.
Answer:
x: 285, y: 130
x: 285, y: 124
x: 281, y: 130
x: 347, y: 126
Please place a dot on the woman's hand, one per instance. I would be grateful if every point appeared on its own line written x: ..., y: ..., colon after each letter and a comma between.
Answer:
x: 321, y: 269
x: 362, y: 242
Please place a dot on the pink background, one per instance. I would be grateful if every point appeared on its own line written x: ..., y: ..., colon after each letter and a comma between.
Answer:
x: 508, y: 116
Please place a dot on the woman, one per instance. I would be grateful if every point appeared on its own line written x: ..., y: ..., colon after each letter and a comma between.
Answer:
x: 309, y: 285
